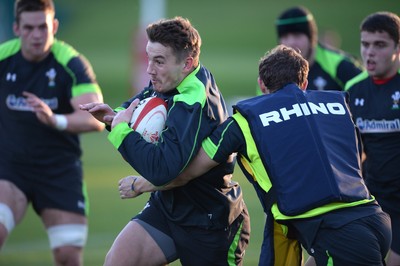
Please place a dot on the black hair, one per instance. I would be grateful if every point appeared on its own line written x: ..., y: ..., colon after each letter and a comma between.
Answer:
x: 297, y: 19
x: 32, y: 5
x: 383, y: 21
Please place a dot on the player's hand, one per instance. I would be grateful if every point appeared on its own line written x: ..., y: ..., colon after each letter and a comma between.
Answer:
x: 41, y: 109
x: 125, y: 115
x: 101, y: 111
x: 126, y: 187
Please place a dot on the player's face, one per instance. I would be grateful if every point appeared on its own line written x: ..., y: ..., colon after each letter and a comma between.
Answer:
x: 298, y: 41
x: 36, y: 30
x: 163, y: 67
x: 379, y: 53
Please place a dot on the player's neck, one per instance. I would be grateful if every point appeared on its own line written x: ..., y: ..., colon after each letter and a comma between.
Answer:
x: 311, y: 56
x: 394, y: 70
x: 381, y: 81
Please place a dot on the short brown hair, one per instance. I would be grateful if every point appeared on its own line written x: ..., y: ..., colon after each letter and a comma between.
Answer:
x: 177, y: 33
x: 32, y: 5
x: 282, y: 65
x: 383, y: 21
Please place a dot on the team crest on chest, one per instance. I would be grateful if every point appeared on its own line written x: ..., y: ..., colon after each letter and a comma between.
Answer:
x: 51, y: 74
x: 320, y: 83
x: 396, y: 98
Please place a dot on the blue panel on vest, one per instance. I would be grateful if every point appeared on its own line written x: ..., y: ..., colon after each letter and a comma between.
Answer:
x: 299, y: 136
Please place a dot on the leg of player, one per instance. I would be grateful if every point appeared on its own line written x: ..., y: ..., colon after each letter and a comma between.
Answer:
x: 393, y: 258
x: 67, y: 234
x: 134, y: 246
x: 13, y: 205
x: 310, y: 262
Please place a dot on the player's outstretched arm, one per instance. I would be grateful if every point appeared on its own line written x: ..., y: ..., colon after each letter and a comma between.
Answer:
x: 75, y: 122
x: 101, y: 111
x: 81, y: 121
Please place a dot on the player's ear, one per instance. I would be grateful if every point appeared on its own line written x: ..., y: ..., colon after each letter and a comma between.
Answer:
x: 16, y: 29
x: 263, y: 88
x: 188, y: 64
x: 55, y: 26
x: 397, y: 48
x: 304, y: 85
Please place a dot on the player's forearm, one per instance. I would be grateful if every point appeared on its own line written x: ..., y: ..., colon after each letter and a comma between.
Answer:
x: 199, y: 166
x: 81, y: 121
x: 141, y: 185
x: 158, y: 163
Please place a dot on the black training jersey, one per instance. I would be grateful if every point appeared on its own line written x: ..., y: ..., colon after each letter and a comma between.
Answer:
x: 376, y: 111
x: 331, y: 69
x: 62, y: 75
x: 195, y: 108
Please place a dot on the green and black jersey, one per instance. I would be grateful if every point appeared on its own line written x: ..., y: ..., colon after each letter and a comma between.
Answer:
x: 331, y: 69
x: 376, y: 111
x: 62, y: 75
x: 195, y: 108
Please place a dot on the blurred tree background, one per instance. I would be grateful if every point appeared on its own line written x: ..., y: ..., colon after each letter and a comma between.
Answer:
x: 235, y: 35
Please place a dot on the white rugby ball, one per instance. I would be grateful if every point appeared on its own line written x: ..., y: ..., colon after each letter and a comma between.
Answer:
x: 149, y: 118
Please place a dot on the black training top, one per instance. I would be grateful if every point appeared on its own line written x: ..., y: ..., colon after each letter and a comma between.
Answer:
x: 62, y: 75
x: 376, y: 111
x: 195, y: 108
x: 331, y: 69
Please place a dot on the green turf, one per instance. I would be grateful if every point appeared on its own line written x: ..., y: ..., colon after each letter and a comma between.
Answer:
x: 235, y: 35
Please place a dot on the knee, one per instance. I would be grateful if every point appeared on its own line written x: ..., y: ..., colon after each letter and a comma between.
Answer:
x: 67, y: 235
x: 3, y: 235
x: 68, y: 255
x: 67, y: 242
x: 108, y: 260
x: 114, y: 258
x: 6, y: 222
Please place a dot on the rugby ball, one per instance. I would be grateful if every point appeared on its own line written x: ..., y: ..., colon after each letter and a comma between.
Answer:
x: 149, y: 118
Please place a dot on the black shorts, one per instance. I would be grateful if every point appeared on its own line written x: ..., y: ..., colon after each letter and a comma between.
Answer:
x: 387, y: 204
x: 58, y: 187
x: 197, y: 246
x: 388, y: 196
x: 364, y: 241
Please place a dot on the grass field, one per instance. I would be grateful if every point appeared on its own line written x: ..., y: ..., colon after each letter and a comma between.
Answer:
x: 235, y: 35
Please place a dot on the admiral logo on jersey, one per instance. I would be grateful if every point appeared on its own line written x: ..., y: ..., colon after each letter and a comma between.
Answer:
x: 302, y: 109
x: 19, y: 103
x: 378, y: 126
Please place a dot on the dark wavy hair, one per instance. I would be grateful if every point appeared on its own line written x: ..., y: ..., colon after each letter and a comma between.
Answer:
x: 383, y: 21
x: 282, y: 65
x: 179, y: 34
